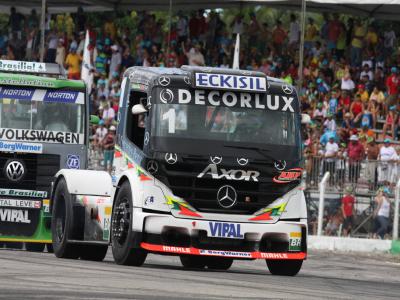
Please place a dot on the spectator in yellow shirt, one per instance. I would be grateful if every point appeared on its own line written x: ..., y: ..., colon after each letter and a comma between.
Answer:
x: 371, y: 38
x: 357, y: 44
x: 363, y: 93
x: 73, y: 64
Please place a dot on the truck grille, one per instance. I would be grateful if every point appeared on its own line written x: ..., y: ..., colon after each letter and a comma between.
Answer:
x: 201, y: 193
x: 40, y: 168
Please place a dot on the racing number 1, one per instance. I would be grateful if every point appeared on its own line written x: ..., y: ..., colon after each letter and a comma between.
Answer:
x: 170, y: 115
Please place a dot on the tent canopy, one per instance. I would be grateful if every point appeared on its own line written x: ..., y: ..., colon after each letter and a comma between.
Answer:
x: 381, y: 9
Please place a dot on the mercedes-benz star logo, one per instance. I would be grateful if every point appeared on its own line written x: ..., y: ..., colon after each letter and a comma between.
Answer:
x: 287, y: 89
x: 152, y: 166
x: 226, y: 196
x: 242, y: 161
x: 280, y: 165
x: 171, y: 158
x: 164, y: 81
x: 216, y: 159
x: 14, y: 170
x: 187, y: 80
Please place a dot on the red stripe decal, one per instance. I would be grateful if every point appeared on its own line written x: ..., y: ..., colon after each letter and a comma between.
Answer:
x: 223, y: 253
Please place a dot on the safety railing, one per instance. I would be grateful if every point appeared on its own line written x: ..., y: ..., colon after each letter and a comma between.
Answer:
x: 364, y: 176
x: 367, y: 220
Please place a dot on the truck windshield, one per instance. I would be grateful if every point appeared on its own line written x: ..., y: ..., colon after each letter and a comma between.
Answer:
x: 247, y: 126
x: 39, y: 115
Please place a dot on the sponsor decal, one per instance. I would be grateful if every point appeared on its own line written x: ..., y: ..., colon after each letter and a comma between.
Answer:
x: 239, y: 175
x: 106, y: 228
x: 142, y: 175
x: 223, y: 253
x: 20, y: 203
x: 14, y: 216
x: 288, y: 176
x: 27, y: 82
x: 61, y: 96
x: 231, y: 82
x: 149, y: 200
x: 21, y: 147
x: 225, y: 230
x: 229, y: 99
x: 46, y: 205
x: 182, y: 206
x: 166, y: 96
x: 268, y: 213
x: 23, y: 193
x: 41, y: 136
x: 16, y: 93
x: 22, y: 66
x: 295, y: 241
x: 73, y: 161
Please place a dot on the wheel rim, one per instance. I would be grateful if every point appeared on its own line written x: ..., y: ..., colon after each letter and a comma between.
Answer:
x: 120, y: 221
x: 60, y: 218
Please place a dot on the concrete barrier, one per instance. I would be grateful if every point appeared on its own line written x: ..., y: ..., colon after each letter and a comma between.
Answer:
x: 333, y: 243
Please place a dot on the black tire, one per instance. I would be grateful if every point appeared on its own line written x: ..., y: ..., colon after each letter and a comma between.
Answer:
x: 49, y: 248
x: 14, y: 245
x: 219, y: 263
x: 193, y: 261
x: 122, y: 235
x: 93, y: 252
x: 62, y: 222
x: 284, y: 267
x: 34, y: 247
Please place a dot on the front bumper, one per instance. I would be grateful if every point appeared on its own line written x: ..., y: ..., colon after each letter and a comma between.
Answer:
x: 164, y: 233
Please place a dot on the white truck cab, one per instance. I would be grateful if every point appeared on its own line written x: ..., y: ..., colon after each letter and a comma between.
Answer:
x: 207, y: 166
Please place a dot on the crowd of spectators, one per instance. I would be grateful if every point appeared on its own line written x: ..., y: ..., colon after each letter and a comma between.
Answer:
x: 350, y: 87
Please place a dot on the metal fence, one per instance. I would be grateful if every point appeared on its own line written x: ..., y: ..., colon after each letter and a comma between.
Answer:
x: 326, y: 215
x: 364, y: 176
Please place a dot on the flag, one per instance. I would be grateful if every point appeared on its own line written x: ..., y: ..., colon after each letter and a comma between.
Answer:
x: 86, y: 75
x: 236, y: 53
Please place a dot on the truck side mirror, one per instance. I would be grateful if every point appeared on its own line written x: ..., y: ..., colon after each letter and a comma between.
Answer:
x: 305, y: 119
x: 138, y: 109
x: 94, y: 120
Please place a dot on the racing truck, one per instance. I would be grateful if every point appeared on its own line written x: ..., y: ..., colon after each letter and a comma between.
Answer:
x: 207, y: 166
x: 43, y: 129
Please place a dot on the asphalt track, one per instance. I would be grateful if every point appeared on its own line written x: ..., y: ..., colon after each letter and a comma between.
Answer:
x: 324, y: 275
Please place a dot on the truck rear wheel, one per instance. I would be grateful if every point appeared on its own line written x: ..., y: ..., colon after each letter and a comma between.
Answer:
x: 193, y: 261
x: 93, y: 252
x: 35, y: 247
x: 122, y: 235
x: 219, y: 263
x: 62, y: 222
x: 284, y: 267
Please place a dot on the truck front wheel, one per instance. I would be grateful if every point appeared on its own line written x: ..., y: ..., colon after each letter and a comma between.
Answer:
x: 284, y: 267
x: 122, y: 235
x: 62, y: 223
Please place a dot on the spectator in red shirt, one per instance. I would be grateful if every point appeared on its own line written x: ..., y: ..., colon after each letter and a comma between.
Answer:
x: 392, y: 84
x: 348, y: 202
x: 356, y: 153
x: 334, y: 29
